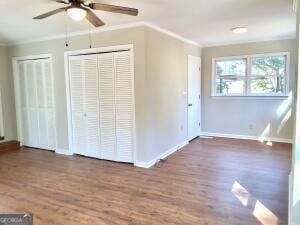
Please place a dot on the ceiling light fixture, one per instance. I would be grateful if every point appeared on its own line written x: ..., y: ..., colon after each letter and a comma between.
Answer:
x: 76, y: 14
x: 239, y: 30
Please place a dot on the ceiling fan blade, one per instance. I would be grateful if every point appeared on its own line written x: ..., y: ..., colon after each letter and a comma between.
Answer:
x: 95, y: 20
x: 114, y: 8
x: 62, y: 1
x: 49, y: 13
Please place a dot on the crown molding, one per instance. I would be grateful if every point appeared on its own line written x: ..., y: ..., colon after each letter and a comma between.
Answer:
x: 249, y: 41
x: 109, y: 28
x: 170, y: 33
x: 149, y: 25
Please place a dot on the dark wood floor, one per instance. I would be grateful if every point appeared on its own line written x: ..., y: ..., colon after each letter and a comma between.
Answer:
x: 217, y: 181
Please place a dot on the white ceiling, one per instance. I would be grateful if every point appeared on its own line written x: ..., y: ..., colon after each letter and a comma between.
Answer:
x: 207, y: 22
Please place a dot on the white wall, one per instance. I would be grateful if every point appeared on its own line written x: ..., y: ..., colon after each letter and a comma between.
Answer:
x: 7, y: 96
x: 236, y: 116
x: 166, y: 91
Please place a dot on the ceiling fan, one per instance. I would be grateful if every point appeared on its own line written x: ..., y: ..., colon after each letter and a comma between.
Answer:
x: 78, y: 10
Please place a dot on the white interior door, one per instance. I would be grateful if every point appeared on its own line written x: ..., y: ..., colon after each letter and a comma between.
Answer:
x: 36, y: 103
x: 194, y: 97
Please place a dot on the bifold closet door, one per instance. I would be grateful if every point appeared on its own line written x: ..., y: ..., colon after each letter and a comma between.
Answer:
x: 37, y: 104
x: 85, y: 105
x: 101, y: 105
x: 107, y: 105
x: 124, y: 106
x: 116, y: 103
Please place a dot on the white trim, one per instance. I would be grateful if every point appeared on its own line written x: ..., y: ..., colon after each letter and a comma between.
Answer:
x: 109, y: 28
x: 2, y: 133
x: 295, y: 5
x: 129, y: 47
x: 247, y: 93
x: 290, y: 211
x: 249, y: 41
x: 249, y: 97
x: 164, y: 155
x: 248, y: 137
x: 63, y: 151
x: 17, y: 91
x: 170, y: 33
x: 150, y: 25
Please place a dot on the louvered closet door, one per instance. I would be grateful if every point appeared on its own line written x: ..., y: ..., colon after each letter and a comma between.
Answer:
x: 41, y: 105
x: 49, y: 104
x: 85, y: 105
x: 124, y: 105
x: 24, y: 104
x: 37, y: 104
x: 107, y: 106
x: 77, y: 104
x: 33, y: 115
x: 91, y: 105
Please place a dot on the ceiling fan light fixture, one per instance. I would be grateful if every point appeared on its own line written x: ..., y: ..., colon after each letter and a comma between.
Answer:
x: 76, y: 14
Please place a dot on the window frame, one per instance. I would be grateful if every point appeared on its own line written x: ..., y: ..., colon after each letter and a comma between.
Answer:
x: 247, y: 88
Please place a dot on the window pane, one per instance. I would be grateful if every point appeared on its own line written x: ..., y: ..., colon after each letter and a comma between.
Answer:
x: 235, y: 67
x: 269, y: 66
x: 267, y: 85
x: 230, y: 86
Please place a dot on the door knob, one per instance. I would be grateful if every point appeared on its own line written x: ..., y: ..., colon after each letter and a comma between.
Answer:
x: 190, y: 105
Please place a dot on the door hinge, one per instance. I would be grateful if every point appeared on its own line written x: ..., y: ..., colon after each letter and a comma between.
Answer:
x: 199, y: 124
x: 199, y: 96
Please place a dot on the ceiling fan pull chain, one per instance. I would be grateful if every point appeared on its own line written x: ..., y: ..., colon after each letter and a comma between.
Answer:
x: 90, y: 33
x: 66, y: 28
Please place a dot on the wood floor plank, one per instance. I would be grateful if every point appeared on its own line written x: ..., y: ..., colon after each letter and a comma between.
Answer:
x: 210, y: 181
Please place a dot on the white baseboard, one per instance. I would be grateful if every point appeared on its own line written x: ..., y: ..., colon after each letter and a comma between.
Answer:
x: 290, y: 221
x: 247, y: 137
x: 161, y: 156
x: 63, y: 151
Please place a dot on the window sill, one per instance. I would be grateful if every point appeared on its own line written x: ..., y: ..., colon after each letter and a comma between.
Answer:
x: 250, y: 97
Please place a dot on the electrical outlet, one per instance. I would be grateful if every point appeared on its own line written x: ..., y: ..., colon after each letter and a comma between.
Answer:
x: 250, y: 126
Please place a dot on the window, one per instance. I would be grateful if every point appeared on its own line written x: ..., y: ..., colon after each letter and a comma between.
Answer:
x: 252, y: 75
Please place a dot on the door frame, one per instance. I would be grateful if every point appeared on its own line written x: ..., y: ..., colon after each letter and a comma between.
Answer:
x: 17, y: 91
x: 2, y: 133
x: 67, y: 80
x: 200, y: 74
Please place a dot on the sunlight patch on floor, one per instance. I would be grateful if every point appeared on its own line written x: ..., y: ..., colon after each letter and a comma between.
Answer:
x: 260, y: 211
x: 269, y: 143
x: 264, y: 215
x: 240, y: 193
